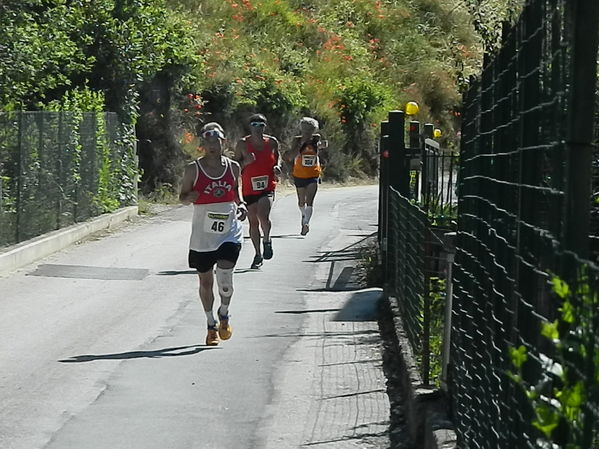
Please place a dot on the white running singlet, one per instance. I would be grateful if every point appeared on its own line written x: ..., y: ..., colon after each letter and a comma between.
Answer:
x: 214, y: 223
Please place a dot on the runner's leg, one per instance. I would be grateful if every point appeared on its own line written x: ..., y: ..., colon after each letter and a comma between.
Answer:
x: 254, y: 227
x: 264, y: 207
x: 311, y: 190
x: 301, y: 202
x: 207, y: 294
x: 207, y: 298
x: 224, y: 279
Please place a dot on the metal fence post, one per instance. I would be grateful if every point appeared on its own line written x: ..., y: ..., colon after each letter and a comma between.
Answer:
x: 414, y: 136
x: 426, y: 324
x: 384, y: 193
x: 18, y: 200
x: 427, y: 133
x: 399, y: 175
x: 383, y: 158
x: 579, y: 149
x: 446, y: 351
x: 584, y: 74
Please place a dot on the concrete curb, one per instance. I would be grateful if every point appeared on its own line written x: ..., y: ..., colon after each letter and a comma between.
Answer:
x: 425, y: 408
x: 24, y: 253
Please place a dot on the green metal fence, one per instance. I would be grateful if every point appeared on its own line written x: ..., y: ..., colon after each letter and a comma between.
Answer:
x: 59, y: 168
x: 524, y: 351
x: 415, y: 274
x: 411, y: 231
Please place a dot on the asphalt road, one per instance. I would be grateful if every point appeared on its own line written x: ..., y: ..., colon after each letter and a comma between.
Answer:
x: 102, y: 345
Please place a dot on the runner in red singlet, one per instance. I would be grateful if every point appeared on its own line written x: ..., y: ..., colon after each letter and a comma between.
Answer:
x: 258, y: 154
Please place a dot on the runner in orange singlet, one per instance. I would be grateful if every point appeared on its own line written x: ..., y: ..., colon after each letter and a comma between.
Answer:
x: 306, y: 167
x: 258, y: 155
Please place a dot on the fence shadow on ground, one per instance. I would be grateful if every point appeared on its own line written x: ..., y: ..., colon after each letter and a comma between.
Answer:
x: 362, y: 305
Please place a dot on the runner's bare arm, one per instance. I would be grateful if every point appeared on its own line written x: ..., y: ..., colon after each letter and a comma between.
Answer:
x: 242, y: 155
x: 187, y: 195
x: 238, y: 194
x: 237, y: 175
x: 290, y: 154
x: 275, y: 149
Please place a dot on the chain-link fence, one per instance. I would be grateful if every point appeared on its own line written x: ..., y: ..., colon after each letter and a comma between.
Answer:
x: 59, y: 168
x: 524, y: 348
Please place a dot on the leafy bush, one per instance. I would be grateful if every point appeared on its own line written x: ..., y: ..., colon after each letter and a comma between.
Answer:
x: 285, y: 58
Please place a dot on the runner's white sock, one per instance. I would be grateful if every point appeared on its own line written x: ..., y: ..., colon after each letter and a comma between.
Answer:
x: 309, y: 210
x: 303, y: 211
x: 223, y: 310
x: 210, y: 318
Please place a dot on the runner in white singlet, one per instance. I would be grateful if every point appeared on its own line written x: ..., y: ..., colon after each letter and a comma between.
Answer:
x: 211, y: 184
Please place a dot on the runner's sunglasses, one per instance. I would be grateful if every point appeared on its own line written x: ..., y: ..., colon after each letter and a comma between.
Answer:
x: 261, y: 124
x: 212, y: 133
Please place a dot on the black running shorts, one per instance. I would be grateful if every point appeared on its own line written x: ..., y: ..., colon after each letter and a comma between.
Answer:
x: 204, y: 261
x: 251, y: 199
x: 304, y: 182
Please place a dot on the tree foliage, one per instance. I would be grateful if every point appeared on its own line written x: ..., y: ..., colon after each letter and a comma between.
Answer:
x: 346, y: 62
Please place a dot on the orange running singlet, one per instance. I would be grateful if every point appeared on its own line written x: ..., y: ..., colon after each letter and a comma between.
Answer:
x: 306, y: 164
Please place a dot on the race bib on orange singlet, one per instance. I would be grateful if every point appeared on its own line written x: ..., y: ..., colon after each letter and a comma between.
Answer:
x: 217, y: 223
x: 259, y: 182
x: 308, y: 160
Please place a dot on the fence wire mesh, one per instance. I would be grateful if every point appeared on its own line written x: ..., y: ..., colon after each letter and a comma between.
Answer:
x: 59, y: 168
x: 439, y: 182
x: 513, y: 222
x: 415, y: 271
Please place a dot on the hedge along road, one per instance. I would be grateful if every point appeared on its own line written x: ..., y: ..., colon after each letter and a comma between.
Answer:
x: 103, y: 343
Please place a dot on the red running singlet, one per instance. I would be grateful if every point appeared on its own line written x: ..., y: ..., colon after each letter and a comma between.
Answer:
x: 215, y: 190
x: 258, y: 177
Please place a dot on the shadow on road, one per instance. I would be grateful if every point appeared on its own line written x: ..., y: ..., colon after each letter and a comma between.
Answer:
x: 301, y: 312
x: 361, y: 306
x: 364, y: 336
x: 282, y: 236
x: 156, y: 354
x: 350, y: 252
x: 175, y: 272
x: 183, y: 272
x: 335, y: 256
x: 356, y: 437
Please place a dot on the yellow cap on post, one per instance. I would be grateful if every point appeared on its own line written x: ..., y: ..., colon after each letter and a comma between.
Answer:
x: 437, y: 133
x: 412, y: 108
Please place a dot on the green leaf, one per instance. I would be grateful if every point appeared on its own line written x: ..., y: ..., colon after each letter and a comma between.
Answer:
x: 518, y: 356
x: 547, y: 419
x: 550, y: 330
x: 560, y: 287
x: 571, y: 400
x: 567, y: 310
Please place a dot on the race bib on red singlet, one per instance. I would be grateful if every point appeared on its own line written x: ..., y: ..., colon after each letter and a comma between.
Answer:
x: 217, y: 223
x: 308, y: 160
x: 259, y: 182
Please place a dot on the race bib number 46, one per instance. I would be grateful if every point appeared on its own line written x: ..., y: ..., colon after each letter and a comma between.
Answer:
x: 216, y: 223
x: 308, y: 160
x: 259, y: 182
